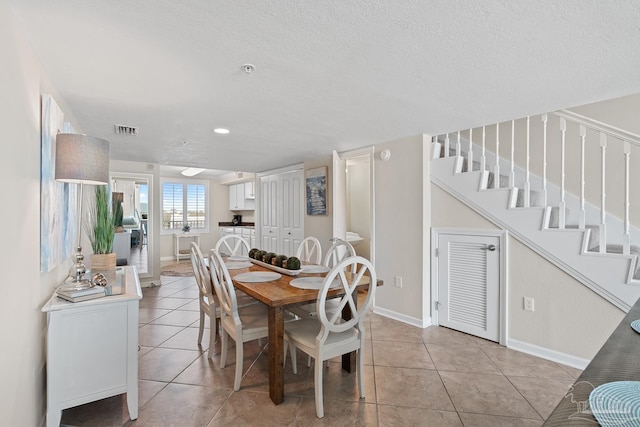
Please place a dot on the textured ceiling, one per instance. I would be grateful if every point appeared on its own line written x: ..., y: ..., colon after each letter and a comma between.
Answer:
x: 329, y: 74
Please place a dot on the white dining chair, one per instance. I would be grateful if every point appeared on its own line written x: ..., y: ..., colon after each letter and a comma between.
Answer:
x: 310, y: 250
x: 241, y: 324
x: 328, y: 335
x: 340, y: 250
x: 232, y: 245
x: 207, y: 302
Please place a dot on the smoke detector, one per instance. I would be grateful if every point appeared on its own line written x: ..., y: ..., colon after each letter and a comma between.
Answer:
x: 248, y: 68
x: 126, y: 130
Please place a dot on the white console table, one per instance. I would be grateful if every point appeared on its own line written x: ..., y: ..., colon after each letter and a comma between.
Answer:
x: 92, y: 349
x: 176, y: 244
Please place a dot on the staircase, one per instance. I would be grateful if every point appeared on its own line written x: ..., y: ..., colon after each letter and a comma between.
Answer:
x: 525, y: 190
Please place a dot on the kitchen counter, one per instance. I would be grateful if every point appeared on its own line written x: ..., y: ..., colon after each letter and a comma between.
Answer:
x: 242, y: 224
x: 617, y: 360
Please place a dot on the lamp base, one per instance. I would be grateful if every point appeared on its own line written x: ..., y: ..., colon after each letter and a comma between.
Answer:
x: 76, y: 285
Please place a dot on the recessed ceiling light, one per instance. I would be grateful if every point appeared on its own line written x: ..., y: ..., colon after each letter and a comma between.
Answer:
x: 221, y: 131
x: 191, y: 171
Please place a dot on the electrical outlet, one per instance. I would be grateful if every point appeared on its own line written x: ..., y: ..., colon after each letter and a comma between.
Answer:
x: 398, y: 281
x: 528, y: 303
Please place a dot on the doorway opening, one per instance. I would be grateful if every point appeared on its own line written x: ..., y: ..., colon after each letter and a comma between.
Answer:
x: 353, y: 192
x: 133, y: 242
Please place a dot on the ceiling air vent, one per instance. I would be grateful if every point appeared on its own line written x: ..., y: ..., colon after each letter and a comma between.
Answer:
x: 126, y: 130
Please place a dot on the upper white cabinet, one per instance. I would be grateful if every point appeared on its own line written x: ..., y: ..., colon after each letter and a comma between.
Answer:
x: 238, y: 200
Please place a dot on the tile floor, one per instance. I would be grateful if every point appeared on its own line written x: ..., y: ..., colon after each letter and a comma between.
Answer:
x: 430, y: 377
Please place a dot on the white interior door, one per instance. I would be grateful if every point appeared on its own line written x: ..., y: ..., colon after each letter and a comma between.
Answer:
x: 291, y: 231
x: 469, y: 284
x: 339, y: 196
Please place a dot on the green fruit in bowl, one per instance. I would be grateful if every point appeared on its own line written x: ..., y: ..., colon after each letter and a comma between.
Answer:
x: 252, y: 253
x: 280, y: 261
x: 269, y: 256
x: 293, y: 263
x: 260, y: 255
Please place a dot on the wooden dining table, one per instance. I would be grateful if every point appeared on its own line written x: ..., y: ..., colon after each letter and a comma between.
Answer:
x: 277, y: 295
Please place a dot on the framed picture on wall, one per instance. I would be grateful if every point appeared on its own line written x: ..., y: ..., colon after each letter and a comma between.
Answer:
x: 316, y: 190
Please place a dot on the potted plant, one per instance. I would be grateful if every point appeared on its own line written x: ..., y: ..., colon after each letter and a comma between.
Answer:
x: 101, y: 231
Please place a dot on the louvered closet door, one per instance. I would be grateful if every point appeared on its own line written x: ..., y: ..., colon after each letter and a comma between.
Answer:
x: 468, y: 284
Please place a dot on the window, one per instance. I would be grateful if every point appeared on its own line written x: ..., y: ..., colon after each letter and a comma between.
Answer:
x: 184, y: 203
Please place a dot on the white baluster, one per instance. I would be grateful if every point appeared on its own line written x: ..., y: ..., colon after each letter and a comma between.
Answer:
x: 583, y: 136
x: 626, y: 247
x: 483, y: 158
x: 470, y: 159
x: 512, y: 172
x: 603, y: 212
x: 563, y: 206
x: 527, y: 182
x: 544, y: 160
x: 496, y: 170
x: 458, y: 145
x: 446, y: 146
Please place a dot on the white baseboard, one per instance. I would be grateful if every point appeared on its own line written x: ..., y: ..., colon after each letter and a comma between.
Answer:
x: 414, y: 321
x: 548, y: 354
x: 168, y: 258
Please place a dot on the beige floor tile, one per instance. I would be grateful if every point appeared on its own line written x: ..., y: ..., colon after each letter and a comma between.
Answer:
x: 384, y: 329
x: 515, y: 363
x: 148, y: 389
x: 168, y: 303
x: 338, y: 384
x: 402, y: 355
x: 206, y: 372
x: 418, y: 417
x: 573, y: 372
x: 186, y: 293
x: 445, y: 336
x: 182, y: 405
x: 461, y: 358
x: 149, y: 314
x: 153, y: 335
x: 164, y: 364
x: 479, y: 420
x: 177, y: 318
x: 336, y: 413
x: 490, y: 394
x: 142, y: 350
x: 193, y: 305
x: 419, y: 388
x: 255, y: 409
x: 542, y: 393
x: 187, y: 339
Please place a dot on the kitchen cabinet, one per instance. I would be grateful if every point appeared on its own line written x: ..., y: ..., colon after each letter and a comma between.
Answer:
x: 238, y: 200
x: 281, y: 212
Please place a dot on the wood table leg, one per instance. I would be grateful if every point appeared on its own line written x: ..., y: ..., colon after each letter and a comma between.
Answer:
x: 276, y: 354
x: 348, y: 359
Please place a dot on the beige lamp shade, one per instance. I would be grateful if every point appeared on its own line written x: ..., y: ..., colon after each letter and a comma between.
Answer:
x: 82, y: 159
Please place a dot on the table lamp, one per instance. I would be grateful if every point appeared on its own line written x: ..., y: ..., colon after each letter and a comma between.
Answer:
x: 81, y: 159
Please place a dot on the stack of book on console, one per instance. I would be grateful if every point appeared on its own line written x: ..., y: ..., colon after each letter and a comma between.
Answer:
x: 81, y: 294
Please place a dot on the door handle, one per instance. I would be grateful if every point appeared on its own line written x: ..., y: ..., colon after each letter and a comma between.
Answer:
x: 491, y: 248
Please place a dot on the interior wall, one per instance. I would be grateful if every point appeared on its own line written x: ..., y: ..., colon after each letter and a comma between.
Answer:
x: 400, y: 222
x: 568, y: 317
x: 22, y: 324
x: 359, y: 204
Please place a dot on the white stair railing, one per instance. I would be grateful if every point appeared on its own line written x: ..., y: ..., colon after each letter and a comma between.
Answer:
x: 563, y: 203
x: 583, y: 126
